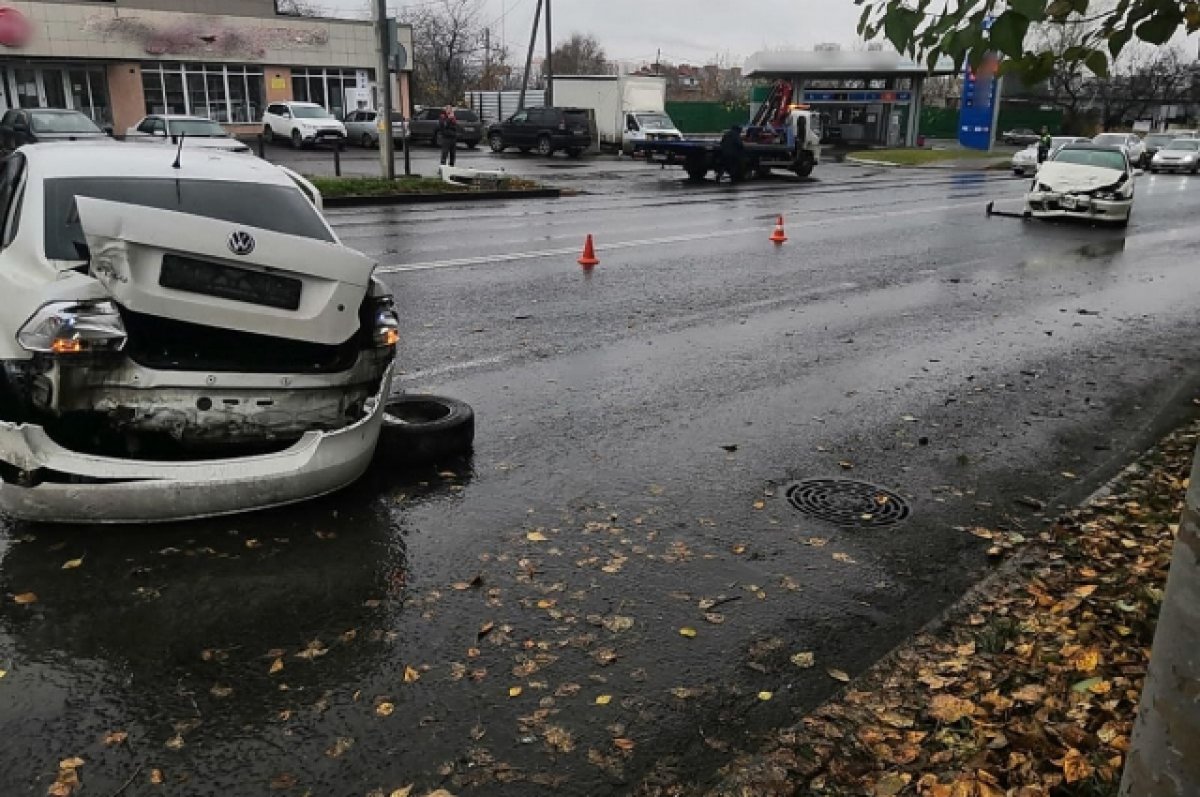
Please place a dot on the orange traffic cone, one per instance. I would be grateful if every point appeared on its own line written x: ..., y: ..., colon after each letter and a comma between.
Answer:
x: 779, y: 236
x: 588, y: 258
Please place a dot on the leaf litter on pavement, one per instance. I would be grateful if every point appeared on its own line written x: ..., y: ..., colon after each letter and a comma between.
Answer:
x: 1028, y: 690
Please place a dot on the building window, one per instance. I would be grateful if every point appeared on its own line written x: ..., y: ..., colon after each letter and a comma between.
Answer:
x: 230, y: 94
x: 325, y: 87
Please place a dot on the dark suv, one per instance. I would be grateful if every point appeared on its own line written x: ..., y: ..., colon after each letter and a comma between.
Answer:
x: 547, y: 130
x: 425, y: 126
x: 22, y: 126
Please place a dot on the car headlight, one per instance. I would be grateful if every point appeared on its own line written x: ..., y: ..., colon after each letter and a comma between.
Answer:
x: 74, y: 328
x: 385, y: 330
x: 1189, y: 158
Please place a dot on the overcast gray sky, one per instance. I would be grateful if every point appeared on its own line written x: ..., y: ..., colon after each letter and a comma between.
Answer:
x: 686, y: 30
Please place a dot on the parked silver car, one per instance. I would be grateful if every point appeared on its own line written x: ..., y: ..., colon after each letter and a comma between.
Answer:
x: 365, y: 127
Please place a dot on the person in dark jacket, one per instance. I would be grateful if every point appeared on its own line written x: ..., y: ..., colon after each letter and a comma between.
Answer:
x: 448, y: 133
x: 733, y: 153
x: 1044, y: 144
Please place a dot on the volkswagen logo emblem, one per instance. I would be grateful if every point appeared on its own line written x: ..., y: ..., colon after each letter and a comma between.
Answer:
x: 241, y: 243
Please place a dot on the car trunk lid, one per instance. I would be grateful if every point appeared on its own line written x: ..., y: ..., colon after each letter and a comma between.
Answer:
x: 218, y: 273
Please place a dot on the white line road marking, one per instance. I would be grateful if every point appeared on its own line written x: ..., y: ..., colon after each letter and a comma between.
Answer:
x: 482, y: 260
x: 442, y: 370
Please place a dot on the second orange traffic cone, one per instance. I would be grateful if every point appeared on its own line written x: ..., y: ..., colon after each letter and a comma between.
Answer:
x: 588, y: 258
x: 778, y: 236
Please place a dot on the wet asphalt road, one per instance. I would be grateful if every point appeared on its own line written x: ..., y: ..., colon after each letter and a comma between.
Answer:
x: 511, y: 625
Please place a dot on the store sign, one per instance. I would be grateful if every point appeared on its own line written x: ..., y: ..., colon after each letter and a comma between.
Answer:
x: 15, y: 30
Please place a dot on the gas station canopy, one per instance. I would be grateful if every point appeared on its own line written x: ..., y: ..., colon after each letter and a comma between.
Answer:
x: 839, y: 64
x: 870, y: 98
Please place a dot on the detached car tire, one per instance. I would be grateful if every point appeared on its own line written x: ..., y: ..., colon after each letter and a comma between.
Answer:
x: 420, y: 428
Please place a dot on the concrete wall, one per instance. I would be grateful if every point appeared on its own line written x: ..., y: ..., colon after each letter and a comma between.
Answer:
x: 94, y: 30
x: 240, y: 8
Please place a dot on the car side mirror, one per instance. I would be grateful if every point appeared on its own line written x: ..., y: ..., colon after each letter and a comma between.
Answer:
x: 108, y: 131
x: 20, y: 127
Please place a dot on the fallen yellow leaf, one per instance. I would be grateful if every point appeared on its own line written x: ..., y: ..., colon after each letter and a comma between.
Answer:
x: 156, y: 777
x: 948, y: 708
x: 690, y: 633
x: 115, y: 737
x: 71, y: 564
x: 25, y: 598
x: 765, y: 696
x: 844, y: 558
x: 407, y: 790
x: 838, y: 675
x: 760, y: 504
x: 385, y: 709
x: 1086, y: 660
x: 804, y: 659
x: 535, y: 536
x: 411, y: 674
x: 1085, y: 591
x: 603, y: 700
x: 276, y: 666
x: 1075, y: 766
x: 3, y: 673
x: 625, y: 745
x: 514, y: 691
x: 174, y: 743
x: 74, y: 762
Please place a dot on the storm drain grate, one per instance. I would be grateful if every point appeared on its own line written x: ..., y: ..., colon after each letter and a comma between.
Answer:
x: 848, y: 503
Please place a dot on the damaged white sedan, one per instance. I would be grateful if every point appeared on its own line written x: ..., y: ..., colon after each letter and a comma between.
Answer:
x: 1087, y: 182
x: 179, y: 340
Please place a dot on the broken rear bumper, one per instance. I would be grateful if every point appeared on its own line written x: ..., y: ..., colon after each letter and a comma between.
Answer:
x: 70, y: 487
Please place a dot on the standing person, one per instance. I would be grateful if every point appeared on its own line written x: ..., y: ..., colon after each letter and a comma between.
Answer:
x: 1044, y: 144
x: 448, y: 133
x: 732, y: 153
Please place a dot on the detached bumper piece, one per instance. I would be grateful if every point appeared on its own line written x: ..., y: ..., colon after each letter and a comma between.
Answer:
x: 47, y: 483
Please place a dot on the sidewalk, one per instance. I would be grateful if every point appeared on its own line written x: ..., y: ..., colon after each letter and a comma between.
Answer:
x: 1027, y: 688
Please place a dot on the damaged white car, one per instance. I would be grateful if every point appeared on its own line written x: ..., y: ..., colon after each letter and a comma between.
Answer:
x: 179, y: 340
x: 1087, y: 182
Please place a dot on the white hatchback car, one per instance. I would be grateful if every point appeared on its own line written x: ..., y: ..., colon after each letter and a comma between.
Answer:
x: 179, y: 340
x: 302, y: 124
x: 1086, y: 182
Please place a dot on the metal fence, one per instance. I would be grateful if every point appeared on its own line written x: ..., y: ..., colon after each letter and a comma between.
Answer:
x: 496, y: 106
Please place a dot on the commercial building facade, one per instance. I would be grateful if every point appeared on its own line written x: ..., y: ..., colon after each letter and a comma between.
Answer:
x: 118, y: 60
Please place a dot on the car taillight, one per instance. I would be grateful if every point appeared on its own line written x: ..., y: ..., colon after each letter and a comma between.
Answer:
x: 74, y: 328
x: 385, y: 328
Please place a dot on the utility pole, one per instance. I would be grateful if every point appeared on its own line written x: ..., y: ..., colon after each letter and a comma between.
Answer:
x: 487, y: 58
x: 383, y: 78
x: 549, y: 68
x: 537, y: 16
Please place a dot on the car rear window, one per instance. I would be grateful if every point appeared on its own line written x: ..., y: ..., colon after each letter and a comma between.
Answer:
x: 575, y: 118
x: 277, y: 208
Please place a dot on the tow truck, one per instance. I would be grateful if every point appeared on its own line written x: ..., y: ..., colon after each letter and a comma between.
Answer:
x: 782, y: 135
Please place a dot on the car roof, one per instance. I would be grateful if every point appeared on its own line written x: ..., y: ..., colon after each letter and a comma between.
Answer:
x: 293, y: 102
x: 53, y: 110
x: 1093, y: 147
x: 117, y: 159
x: 178, y: 117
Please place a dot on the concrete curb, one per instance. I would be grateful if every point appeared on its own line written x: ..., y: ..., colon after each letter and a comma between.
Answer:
x: 425, y: 199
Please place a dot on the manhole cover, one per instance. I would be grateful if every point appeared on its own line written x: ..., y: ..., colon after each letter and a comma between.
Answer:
x: 847, y: 503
